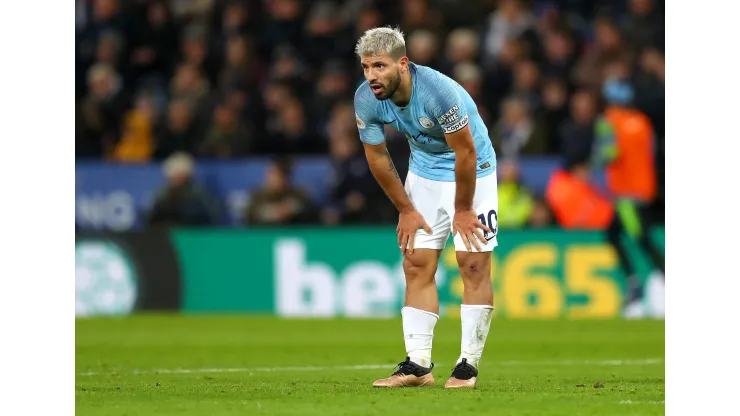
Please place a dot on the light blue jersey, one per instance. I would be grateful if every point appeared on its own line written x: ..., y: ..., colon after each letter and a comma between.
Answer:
x: 438, y: 105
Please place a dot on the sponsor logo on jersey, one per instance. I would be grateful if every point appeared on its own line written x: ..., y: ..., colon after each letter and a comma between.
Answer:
x: 450, y: 116
x: 451, y: 128
x: 360, y: 123
x: 426, y: 123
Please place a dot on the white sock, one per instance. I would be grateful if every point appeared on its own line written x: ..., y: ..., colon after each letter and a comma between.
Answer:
x: 418, y: 331
x: 476, y: 320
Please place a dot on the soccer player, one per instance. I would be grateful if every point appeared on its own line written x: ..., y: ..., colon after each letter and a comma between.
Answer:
x: 451, y: 187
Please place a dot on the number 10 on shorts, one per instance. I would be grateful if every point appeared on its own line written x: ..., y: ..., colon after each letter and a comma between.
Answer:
x: 491, y: 221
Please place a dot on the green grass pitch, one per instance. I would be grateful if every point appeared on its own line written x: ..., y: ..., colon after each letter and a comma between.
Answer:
x: 213, y: 365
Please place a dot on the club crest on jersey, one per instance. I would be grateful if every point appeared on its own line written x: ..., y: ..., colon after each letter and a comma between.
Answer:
x: 426, y: 123
x: 360, y: 123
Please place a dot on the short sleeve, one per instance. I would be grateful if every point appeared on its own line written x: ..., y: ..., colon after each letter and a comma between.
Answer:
x: 446, y: 104
x: 368, y: 124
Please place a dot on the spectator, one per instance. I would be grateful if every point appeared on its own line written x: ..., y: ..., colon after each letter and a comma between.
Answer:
x: 154, y: 42
x: 190, y: 85
x: 609, y: 46
x: 541, y: 216
x: 559, y: 54
x: 227, y: 136
x: 356, y: 198
x: 515, y: 201
x: 470, y: 77
x: 527, y: 83
x: 290, y: 133
x: 423, y: 48
x: 278, y: 202
x: 99, y: 112
x: 182, y: 202
x: 645, y: 25
x: 137, y: 140
x: 554, y: 111
x: 510, y: 21
x: 178, y: 132
x: 518, y: 133
x: 417, y: 14
x: 575, y: 201
x: 332, y: 87
x: 577, y: 134
x: 462, y: 46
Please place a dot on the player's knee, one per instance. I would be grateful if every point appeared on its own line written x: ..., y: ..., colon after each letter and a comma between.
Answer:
x: 417, y: 269
x: 475, y: 269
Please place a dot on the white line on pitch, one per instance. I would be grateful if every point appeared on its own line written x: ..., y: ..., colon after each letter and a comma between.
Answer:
x: 647, y: 361
x: 642, y: 402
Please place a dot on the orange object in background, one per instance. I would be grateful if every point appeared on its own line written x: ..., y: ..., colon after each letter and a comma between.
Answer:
x: 632, y: 173
x: 576, y: 204
x: 137, y: 143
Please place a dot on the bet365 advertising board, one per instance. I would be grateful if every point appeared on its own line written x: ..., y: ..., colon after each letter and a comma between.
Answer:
x: 330, y: 272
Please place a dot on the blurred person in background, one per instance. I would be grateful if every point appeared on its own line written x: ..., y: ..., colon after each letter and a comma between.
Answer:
x: 576, y: 202
x: 227, y: 136
x: 526, y: 83
x: 196, y: 11
x: 559, y: 55
x: 110, y: 49
x: 242, y: 70
x: 470, y: 77
x: 355, y: 196
x: 290, y: 134
x: 609, y: 46
x: 463, y: 45
x: 512, y: 19
x: 625, y: 145
x: 541, y: 216
x: 195, y: 51
x: 284, y: 25
x: 423, y: 48
x: 517, y: 133
x: 177, y: 132
x: 645, y: 24
x: 499, y: 78
x: 418, y: 14
x: 189, y: 84
x: 332, y: 87
x: 554, y: 112
x: 577, y: 133
x: 324, y: 38
x: 182, y: 201
x: 100, y: 113
x: 278, y: 201
x: 515, y: 201
x: 137, y: 138
x: 154, y: 41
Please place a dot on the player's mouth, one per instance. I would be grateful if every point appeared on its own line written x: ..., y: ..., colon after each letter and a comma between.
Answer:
x: 377, y: 88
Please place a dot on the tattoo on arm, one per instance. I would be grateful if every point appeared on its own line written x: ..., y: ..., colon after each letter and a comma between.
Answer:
x: 393, y: 167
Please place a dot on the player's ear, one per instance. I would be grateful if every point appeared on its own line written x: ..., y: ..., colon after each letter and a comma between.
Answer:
x: 404, y: 62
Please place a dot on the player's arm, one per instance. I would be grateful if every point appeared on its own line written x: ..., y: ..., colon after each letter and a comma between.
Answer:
x: 462, y: 144
x: 384, y: 171
x: 449, y: 108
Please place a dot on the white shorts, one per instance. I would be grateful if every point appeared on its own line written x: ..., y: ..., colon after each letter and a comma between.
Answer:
x: 435, y: 201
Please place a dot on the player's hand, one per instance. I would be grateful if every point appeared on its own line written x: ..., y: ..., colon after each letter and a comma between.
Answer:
x: 408, y: 224
x: 469, y: 226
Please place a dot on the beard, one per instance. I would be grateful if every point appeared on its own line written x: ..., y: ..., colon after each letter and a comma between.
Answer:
x: 391, y: 88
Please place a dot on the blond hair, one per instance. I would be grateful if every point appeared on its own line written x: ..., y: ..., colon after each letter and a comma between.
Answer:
x: 381, y: 40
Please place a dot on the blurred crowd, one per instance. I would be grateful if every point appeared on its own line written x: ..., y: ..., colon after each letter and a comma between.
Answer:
x: 190, y: 80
